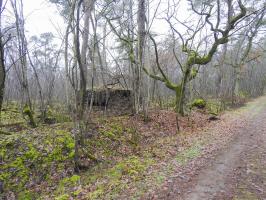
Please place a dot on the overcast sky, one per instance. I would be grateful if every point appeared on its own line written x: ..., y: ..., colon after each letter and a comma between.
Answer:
x: 41, y: 17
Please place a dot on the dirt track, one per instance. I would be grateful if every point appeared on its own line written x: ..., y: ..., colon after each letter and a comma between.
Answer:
x: 230, y: 166
x: 236, y: 171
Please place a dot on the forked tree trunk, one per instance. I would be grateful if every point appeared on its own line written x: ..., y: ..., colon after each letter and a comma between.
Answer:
x: 81, y: 54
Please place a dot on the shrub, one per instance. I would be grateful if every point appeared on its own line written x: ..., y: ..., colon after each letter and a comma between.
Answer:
x: 199, y: 103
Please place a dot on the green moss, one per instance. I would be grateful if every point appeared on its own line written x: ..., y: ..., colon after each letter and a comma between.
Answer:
x: 96, y: 194
x: 57, y: 114
x: 22, y: 171
x: 26, y: 195
x: 28, y: 112
x: 243, y: 94
x: 193, y: 73
x: 184, y: 48
x: 160, y: 179
x: 214, y: 106
x: 109, y: 134
x: 171, y: 85
x: 68, y: 182
x: 113, y: 130
x: 188, y: 154
x: 131, y: 168
x: 204, y: 60
x: 2, y: 153
x: 34, y: 156
x: 76, y: 193
x: 62, y: 117
x: 64, y: 148
x: 191, y: 59
x: 74, y: 179
x: 11, y: 115
x: 63, y: 197
x: 199, y: 103
x: 112, y: 133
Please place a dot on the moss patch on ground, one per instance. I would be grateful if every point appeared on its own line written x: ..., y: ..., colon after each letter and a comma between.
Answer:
x: 11, y: 115
x: 32, y: 156
x: 185, y: 156
x: 42, y: 158
x: 114, y: 179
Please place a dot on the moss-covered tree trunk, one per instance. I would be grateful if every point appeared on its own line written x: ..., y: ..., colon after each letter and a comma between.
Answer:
x: 29, y: 113
x: 186, y: 79
x: 177, y: 106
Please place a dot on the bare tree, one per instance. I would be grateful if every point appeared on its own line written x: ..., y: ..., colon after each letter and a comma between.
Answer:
x: 81, y: 54
x: 220, y: 36
x: 237, y: 64
x: 22, y: 51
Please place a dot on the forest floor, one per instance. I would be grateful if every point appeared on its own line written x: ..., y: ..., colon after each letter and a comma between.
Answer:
x: 221, y: 159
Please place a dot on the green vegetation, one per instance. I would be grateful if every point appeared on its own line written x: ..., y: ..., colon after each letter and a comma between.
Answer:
x: 26, y: 195
x: 47, y: 152
x: 57, y: 114
x: 63, y: 197
x: 11, y: 114
x: 34, y: 157
x: 188, y: 154
x: 131, y: 168
x: 43, y: 158
x: 67, y: 182
x: 28, y: 112
x: 199, y: 103
x: 214, y: 106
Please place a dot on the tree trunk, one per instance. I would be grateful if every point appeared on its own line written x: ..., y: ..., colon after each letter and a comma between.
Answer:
x: 82, y: 64
x: 177, y: 104
x: 141, y: 43
x: 43, y: 110
x: 183, y: 91
x: 2, y: 64
x: 2, y: 75
x: 22, y: 50
x: 236, y: 85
